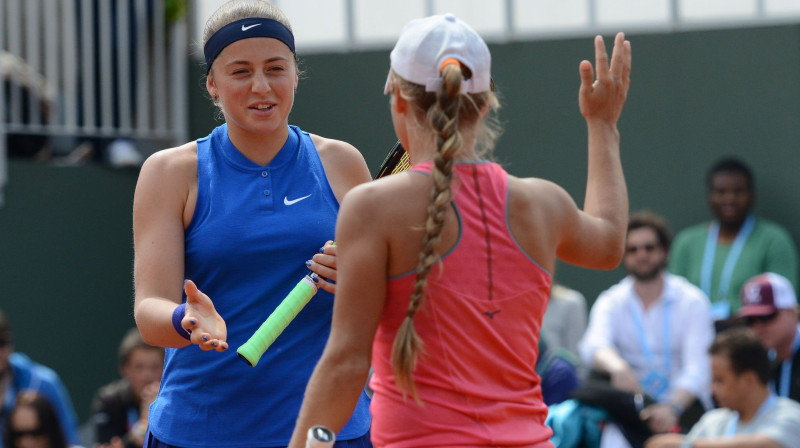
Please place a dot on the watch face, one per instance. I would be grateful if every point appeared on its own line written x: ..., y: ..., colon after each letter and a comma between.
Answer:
x: 321, y: 434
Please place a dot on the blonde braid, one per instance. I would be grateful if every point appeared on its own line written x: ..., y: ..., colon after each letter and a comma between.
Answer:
x: 443, y: 116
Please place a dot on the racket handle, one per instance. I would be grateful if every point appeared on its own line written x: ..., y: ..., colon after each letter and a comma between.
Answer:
x: 320, y: 437
x: 259, y: 342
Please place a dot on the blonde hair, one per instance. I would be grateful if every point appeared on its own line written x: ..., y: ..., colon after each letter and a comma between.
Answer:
x: 447, y: 113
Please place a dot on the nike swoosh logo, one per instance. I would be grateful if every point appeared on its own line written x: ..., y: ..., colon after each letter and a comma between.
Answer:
x: 286, y: 200
x: 245, y: 28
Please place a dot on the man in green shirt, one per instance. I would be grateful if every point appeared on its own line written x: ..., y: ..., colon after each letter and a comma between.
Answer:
x: 721, y: 255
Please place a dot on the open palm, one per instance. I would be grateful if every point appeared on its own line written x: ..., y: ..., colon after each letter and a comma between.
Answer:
x: 602, y: 98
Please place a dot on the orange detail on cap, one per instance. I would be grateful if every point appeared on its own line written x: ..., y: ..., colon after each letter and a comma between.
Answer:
x: 449, y: 61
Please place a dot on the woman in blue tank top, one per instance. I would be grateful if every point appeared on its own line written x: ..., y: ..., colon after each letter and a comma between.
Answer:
x: 224, y: 227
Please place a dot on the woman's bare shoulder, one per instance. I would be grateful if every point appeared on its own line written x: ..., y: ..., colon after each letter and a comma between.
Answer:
x: 337, y: 152
x: 344, y: 165
x: 169, y: 170
x: 536, y: 192
x: 173, y: 160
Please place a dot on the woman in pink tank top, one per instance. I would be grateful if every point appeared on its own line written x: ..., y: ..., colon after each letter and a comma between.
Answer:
x: 443, y: 286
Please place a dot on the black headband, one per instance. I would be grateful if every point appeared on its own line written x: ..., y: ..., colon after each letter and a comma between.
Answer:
x: 244, y: 29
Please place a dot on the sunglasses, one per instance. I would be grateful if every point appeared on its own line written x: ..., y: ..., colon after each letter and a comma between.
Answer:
x: 645, y: 247
x: 765, y: 319
x: 36, y: 432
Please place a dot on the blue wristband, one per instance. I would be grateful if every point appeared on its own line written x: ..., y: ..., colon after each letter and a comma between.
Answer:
x: 177, y: 317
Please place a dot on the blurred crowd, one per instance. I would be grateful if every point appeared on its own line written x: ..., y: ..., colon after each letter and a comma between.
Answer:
x: 37, y: 411
x: 695, y: 346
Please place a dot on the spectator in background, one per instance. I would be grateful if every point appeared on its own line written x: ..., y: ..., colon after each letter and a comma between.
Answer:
x: 33, y: 423
x: 19, y: 373
x: 565, y: 319
x: 721, y: 255
x: 769, y: 307
x: 650, y: 333
x: 750, y: 415
x: 120, y: 409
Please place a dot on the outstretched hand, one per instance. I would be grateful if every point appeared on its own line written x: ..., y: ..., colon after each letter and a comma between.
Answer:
x: 602, y: 98
x: 207, y: 328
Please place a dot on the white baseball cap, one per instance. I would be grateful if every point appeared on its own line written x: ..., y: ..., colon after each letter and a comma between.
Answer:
x: 425, y: 43
x: 765, y: 294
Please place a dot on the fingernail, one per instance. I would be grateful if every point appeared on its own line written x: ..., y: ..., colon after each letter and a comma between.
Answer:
x: 192, y: 321
x: 205, y: 338
x: 308, y: 263
x: 322, y: 249
x: 213, y: 344
x: 315, y: 277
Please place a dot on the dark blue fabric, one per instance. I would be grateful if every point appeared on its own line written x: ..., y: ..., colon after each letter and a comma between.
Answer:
x: 558, y: 371
x: 558, y: 381
x: 245, y: 29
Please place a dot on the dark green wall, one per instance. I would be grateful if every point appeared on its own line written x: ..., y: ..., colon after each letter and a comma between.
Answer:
x: 65, y: 233
x: 66, y: 261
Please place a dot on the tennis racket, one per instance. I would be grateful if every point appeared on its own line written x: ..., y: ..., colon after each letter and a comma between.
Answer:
x: 252, y: 350
x: 395, y: 162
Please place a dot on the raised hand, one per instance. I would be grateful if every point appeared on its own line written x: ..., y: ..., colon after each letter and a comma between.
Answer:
x: 602, y: 98
x: 207, y: 327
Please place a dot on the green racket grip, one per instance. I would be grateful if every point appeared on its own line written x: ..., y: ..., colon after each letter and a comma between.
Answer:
x: 252, y: 350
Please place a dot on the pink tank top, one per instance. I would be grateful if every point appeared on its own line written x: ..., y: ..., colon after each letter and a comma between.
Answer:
x: 480, y: 325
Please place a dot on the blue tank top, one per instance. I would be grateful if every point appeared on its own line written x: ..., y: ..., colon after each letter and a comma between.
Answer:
x: 252, y: 231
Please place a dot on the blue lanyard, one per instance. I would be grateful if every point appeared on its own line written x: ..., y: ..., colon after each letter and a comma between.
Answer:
x: 730, y: 260
x: 765, y: 406
x: 647, y: 350
x: 786, y: 366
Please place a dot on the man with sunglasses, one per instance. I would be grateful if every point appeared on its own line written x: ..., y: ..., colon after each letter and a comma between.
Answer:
x: 650, y: 333
x: 769, y: 307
